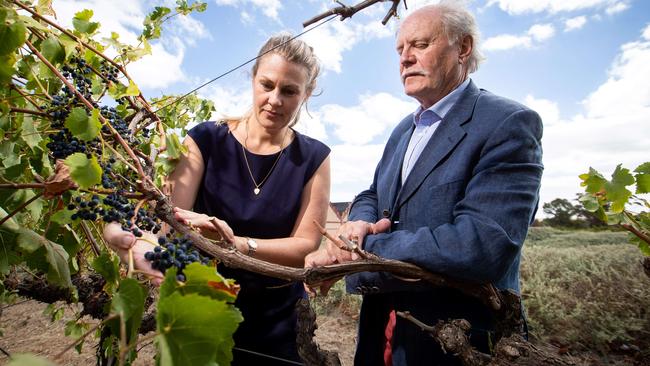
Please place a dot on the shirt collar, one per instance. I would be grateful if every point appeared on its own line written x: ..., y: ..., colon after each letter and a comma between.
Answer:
x: 439, y: 110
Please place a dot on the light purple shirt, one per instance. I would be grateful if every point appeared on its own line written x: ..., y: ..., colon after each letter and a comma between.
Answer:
x: 426, y: 122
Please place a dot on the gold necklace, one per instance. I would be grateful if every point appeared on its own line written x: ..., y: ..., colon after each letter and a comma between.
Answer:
x: 258, y: 185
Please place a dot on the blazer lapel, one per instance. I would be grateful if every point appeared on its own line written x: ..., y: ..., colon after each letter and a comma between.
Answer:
x: 396, y: 167
x: 446, y: 137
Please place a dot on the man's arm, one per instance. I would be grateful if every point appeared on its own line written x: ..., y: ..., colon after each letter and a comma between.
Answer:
x: 489, y: 223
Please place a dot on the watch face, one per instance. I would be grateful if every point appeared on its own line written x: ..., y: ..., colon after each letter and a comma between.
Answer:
x: 252, y: 243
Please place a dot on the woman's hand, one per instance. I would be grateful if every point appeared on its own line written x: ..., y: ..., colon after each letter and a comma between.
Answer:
x: 208, y: 226
x: 122, y: 241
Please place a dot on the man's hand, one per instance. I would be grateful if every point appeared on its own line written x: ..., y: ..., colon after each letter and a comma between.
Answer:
x: 355, y: 231
x: 332, y: 253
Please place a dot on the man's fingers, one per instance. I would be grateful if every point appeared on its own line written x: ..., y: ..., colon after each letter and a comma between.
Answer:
x: 380, y: 226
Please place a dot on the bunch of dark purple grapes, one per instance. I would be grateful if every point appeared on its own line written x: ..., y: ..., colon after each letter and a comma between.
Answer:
x: 174, y: 252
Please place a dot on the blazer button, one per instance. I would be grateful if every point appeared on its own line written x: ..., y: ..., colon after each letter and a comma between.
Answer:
x: 385, y: 213
x: 374, y: 289
x: 358, y: 289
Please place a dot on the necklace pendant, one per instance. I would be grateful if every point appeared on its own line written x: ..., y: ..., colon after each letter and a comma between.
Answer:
x: 256, y: 191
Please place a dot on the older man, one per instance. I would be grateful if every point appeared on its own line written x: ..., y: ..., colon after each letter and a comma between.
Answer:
x: 459, y: 182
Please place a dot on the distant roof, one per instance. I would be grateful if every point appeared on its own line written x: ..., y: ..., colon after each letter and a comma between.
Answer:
x: 340, y: 208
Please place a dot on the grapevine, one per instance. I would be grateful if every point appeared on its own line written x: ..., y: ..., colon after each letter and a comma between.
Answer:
x: 81, y: 148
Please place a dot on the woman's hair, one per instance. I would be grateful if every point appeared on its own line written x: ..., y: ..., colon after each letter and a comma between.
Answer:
x: 292, y: 50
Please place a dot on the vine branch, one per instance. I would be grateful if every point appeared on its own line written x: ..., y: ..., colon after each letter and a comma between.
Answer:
x: 348, y: 11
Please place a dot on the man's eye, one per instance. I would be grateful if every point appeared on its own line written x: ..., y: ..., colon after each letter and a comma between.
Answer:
x: 267, y: 86
x: 421, y: 45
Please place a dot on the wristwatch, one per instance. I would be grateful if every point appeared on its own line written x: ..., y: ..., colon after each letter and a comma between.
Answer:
x: 252, y: 246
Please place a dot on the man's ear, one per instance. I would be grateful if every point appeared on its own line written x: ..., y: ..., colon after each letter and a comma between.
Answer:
x: 466, y: 45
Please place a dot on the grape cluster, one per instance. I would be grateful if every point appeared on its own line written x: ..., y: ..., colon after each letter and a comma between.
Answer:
x: 174, y: 252
x: 108, y: 71
x: 62, y: 144
x: 118, y: 123
x: 79, y: 75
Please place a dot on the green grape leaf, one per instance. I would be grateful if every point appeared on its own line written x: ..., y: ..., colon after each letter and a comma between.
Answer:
x: 29, y: 133
x: 85, y: 172
x: 53, y: 50
x: 81, y: 125
x: 26, y: 359
x: 10, y: 224
x: 616, y: 191
x: 132, y: 90
x: 133, y: 54
x: 6, y: 67
x: 128, y: 302
x: 12, y: 35
x: 174, y: 146
x: 196, y: 330
x: 44, y: 7
x: 33, y: 23
x: 69, y: 45
x: 202, y: 280
x: 63, y: 217
x: 642, y: 178
x: 589, y: 202
x: 55, y: 255
x: 108, y: 267
x: 593, y: 181
x: 82, y: 23
x: 153, y: 22
x: 9, y: 157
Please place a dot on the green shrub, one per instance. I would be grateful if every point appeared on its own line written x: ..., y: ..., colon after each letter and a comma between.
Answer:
x: 585, y: 296
x: 547, y: 236
x: 337, y: 301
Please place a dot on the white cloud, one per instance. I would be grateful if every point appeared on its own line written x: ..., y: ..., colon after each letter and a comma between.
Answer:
x: 518, y: 7
x: 547, y: 109
x: 506, y: 42
x: 158, y: 70
x: 608, y: 132
x: 353, y: 167
x: 334, y: 38
x: 270, y: 8
x: 372, y: 117
x: 228, y: 101
x: 541, y: 32
x: 617, y: 8
x: 311, y: 125
x: 535, y: 34
x: 575, y: 23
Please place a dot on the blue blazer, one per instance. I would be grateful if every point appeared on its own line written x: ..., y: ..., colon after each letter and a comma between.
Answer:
x: 463, y: 211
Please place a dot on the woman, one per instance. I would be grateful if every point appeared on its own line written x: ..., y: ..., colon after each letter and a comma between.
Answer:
x: 265, y: 183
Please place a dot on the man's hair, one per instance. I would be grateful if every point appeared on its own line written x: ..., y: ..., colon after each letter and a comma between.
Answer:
x: 457, y: 22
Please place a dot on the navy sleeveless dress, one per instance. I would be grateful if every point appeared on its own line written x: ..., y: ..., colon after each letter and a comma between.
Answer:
x: 226, y: 191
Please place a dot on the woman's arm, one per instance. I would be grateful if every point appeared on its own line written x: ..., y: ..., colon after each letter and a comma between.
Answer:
x: 186, y: 178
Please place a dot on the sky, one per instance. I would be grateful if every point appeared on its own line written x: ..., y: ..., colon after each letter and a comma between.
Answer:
x: 583, y: 65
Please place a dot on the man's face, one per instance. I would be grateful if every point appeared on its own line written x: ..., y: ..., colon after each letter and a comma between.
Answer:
x: 429, y: 65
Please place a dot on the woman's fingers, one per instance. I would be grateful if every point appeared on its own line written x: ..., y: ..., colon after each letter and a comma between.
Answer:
x: 116, y: 238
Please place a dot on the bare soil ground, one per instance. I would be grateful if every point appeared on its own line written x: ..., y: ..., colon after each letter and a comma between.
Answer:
x: 25, y: 328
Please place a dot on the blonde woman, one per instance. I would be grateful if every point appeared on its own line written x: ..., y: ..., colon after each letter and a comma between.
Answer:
x: 265, y: 183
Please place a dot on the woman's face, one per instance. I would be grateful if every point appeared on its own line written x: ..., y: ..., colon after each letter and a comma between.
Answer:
x: 279, y: 88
